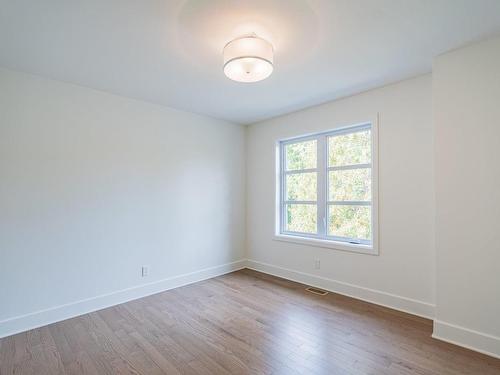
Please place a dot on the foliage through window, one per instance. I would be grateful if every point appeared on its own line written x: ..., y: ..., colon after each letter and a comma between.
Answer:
x: 326, y: 186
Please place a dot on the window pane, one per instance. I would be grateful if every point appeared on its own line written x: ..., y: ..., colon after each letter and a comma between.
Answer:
x: 301, y: 187
x: 301, y: 218
x: 301, y: 155
x: 349, y: 221
x: 347, y: 149
x: 350, y: 185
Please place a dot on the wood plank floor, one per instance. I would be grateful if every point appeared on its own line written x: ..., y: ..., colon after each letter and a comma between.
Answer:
x: 241, y: 323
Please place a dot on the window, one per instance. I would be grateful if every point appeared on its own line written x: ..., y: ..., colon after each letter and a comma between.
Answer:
x: 327, y: 189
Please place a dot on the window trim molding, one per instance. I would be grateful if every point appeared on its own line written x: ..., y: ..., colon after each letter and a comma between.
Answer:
x: 328, y: 244
x: 313, y: 240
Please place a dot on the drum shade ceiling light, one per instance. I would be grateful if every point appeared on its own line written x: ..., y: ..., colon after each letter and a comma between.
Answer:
x: 248, y: 59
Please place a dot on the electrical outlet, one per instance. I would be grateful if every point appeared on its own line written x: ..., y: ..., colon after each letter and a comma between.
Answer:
x: 317, y: 264
x: 145, y: 271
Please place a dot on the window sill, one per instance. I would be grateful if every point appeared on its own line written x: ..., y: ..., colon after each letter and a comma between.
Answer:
x: 336, y: 245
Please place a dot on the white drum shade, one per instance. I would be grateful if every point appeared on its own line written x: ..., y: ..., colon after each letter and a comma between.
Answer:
x: 248, y: 59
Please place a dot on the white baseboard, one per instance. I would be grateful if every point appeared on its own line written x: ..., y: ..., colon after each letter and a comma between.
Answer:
x: 408, y: 305
x: 453, y: 334
x: 55, y: 314
x: 467, y: 338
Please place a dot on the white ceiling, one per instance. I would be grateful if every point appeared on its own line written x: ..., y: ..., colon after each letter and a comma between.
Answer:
x: 169, y: 52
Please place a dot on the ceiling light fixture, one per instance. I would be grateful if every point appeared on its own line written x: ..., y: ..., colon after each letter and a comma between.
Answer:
x: 248, y: 59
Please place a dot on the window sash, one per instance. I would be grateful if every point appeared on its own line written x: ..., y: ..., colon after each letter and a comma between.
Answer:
x: 349, y: 203
x: 322, y: 172
x: 299, y: 171
x: 349, y: 167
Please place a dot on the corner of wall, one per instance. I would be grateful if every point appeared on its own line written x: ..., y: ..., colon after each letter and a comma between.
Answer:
x: 467, y: 338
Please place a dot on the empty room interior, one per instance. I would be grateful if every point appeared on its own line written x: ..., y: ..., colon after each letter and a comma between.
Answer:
x: 250, y: 187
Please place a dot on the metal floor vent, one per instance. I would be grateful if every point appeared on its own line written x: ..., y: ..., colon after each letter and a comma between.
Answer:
x: 317, y: 291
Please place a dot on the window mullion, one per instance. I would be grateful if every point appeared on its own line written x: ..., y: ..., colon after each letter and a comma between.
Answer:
x: 322, y: 188
x: 282, y: 188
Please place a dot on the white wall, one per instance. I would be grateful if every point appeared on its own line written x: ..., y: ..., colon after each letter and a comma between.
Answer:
x: 466, y: 102
x: 402, y: 275
x: 93, y: 186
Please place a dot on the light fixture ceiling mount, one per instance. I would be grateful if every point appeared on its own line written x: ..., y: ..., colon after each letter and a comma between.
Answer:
x: 248, y: 59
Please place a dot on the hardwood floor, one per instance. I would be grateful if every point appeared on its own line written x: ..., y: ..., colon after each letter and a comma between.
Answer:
x: 241, y: 323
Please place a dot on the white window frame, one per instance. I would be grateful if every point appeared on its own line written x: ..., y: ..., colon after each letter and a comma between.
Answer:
x: 321, y: 239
